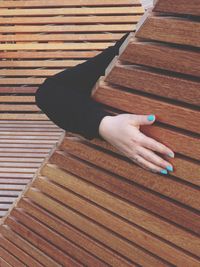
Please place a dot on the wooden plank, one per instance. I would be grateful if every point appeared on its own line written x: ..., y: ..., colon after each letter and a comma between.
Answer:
x: 178, y: 162
x: 37, y: 64
x: 66, y: 28
x: 99, y: 233
x: 116, y: 224
x: 123, y: 209
x: 19, y: 253
x: 155, y: 83
x: 71, y: 20
x: 165, y: 112
x: 14, y: 181
x: 51, y: 46
x: 28, y: 247
x: 8, y: 257
x: 54, y: 37
x: 4, y: 263
x: 29, y: 72
x: 51, y: 3
x: 7, y: 199
x: 57, y: 240
x: 154, y: 55
x: 49, y: 54
x: 185, y: 7
x: 19, y: 89
x: 153, y: 181
x: 121, y: 187
x: 170, y: 30
x: 72, y: 11
x: 73, y: 234
x: 46, y: 247
x: 19, y: 81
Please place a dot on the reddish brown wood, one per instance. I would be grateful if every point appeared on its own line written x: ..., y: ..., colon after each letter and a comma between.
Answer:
x: 178, y: 7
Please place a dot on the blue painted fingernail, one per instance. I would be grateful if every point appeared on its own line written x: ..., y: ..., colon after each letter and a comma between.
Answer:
x: 163, y: 171
x: 151, y: 117
x: 169, y: 168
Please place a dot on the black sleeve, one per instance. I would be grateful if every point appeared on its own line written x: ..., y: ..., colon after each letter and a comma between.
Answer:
x: 65, y: 96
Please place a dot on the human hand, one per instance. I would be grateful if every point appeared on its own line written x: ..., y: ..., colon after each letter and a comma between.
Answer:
x: 123, y: 132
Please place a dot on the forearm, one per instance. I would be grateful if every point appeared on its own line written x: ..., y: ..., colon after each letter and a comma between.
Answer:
x: 70, y: 110
x: 83, y: 76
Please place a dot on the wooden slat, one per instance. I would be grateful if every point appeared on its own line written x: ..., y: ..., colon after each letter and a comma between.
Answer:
x: 168, y: 113
x: 19, y: 253
x: 49, y: 54
x: 96, y: 231
x: 170, y: 30
x: 66, y: 28
x: 180, y: 7
x: 71, y: 20
x: 51, y: 46
x: 38, y: 64
x: 73, y: 234
x: 4, y: 263
x: 28, y: 72
x: 51, y: 3
x: 27, y: 247
x: 54, y: 37
x: 154, y: 55
x: 155, y: 83
x: 46, y: 247
x: 117, y: 225
x: 120, y: 207
x: 57, y: 239
x: 152, y: 181
x: 4, y: 253
x: 72, y: 11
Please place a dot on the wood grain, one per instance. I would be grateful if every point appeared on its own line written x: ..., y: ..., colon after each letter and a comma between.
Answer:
x: 155, y: 83
x: 170, y: 30
x: 162, y: 56
x: 179, y: 7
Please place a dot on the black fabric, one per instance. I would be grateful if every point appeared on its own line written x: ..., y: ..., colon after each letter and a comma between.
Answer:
x: 65, y: 97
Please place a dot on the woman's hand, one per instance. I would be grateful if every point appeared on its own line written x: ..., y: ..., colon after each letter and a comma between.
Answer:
x: 122, y: 131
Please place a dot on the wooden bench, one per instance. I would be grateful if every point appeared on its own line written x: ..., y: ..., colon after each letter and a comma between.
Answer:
x: 88, y: 205
x: 39, y: 39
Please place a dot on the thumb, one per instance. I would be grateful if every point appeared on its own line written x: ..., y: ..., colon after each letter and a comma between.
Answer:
x: 144, y: 119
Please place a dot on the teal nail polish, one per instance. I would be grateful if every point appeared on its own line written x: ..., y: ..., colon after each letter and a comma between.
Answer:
x: 151, y: 117
x: 169, y: 168
x: 163, y: 171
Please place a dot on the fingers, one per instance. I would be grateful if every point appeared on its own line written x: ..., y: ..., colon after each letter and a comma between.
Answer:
x: 148, y: 165
x: 154, y: 145
x: 155, y: 159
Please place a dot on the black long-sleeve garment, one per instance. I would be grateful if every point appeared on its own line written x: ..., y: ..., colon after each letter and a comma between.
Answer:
x: 66, y: 96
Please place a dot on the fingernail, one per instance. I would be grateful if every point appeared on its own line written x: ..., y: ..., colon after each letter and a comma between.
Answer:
x: 163, y: 171
x: 171, y: 155
x: 169, y: 168
x: 151, y: 117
